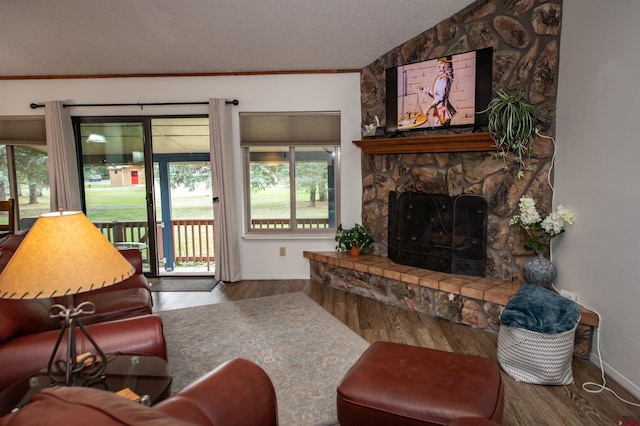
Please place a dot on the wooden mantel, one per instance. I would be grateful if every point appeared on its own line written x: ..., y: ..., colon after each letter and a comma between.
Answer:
x: 454, y: 142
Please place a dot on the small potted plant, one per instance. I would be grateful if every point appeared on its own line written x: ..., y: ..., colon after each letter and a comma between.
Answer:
x: 512, y: 125
x: 353, y: 239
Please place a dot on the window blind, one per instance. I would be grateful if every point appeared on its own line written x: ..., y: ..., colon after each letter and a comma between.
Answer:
x: 287, y: 128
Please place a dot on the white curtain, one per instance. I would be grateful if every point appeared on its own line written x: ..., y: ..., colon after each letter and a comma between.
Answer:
x: 61, y: 150
x: 224, y: 211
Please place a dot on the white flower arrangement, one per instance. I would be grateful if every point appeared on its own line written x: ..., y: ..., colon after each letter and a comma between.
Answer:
x: 541, y: 231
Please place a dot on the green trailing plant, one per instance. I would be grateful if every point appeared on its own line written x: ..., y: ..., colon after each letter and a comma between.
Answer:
x: 352, y: 237
x: 512, y: 125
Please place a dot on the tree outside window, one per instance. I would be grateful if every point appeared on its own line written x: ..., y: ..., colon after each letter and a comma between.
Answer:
x: 292, y: 188
x: 32, y: 179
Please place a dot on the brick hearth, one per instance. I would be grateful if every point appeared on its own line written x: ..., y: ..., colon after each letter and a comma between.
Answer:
x: 474, y: 301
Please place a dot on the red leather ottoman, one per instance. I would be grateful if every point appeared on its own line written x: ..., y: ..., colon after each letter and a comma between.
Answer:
x: 395, y: 384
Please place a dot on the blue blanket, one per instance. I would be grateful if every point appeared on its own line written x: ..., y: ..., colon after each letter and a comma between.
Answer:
x: 537, y: 309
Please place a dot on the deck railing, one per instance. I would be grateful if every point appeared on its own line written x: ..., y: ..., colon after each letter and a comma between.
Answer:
x: 192, y: 238
x: 313, y: 223
x: 124, y: 231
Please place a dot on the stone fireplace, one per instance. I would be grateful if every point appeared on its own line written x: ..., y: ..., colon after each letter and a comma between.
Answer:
x: 525, y: 36
x: 438, y: 232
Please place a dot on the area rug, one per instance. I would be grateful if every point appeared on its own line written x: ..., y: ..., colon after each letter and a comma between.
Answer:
x: 304, y: 349
x: 184, y: 284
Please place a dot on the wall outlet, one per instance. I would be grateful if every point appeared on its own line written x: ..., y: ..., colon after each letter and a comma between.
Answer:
x: 569, y: 295
x: 283, y: 251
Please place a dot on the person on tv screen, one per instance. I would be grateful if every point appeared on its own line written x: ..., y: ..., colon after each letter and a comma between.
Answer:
x: 440, y: 108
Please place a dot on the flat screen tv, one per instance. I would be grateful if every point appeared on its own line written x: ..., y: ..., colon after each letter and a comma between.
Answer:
x: 448, y: 91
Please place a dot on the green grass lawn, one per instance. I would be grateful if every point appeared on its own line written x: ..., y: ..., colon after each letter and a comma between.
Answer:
x: 105, y: 203
x: 34, y: 210
x: 108, y: 203
x: 274, y: 203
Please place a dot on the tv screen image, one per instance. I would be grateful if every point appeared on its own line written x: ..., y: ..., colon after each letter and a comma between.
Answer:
x: 440, y: 92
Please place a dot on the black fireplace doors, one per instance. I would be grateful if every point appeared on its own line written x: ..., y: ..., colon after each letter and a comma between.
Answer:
x: 438, y: 232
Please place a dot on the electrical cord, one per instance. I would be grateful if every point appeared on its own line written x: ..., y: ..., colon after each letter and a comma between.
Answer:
x: 553, y: 158
x: 592, y: 387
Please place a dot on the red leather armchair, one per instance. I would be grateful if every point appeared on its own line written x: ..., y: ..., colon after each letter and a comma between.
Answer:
x: 29, y: 353
x: 238, y: 392
x: 28, y: 334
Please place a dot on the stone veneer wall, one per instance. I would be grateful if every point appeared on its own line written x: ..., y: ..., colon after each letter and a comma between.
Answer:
x: 525, y: 35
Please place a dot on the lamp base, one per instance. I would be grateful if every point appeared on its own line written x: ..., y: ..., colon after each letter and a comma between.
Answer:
x: 86, y: 366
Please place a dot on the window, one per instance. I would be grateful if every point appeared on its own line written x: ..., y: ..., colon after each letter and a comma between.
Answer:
x: 32, y: 179
x: 31, y: 183
x: 24, y: 172
x: 291, y: 167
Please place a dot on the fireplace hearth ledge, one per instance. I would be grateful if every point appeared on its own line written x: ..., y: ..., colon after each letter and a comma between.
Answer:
x: 474, y: 301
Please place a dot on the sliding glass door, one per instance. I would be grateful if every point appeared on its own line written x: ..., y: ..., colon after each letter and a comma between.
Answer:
x: 183, y: 195
x: 147, y: 184
x: 115, y: 183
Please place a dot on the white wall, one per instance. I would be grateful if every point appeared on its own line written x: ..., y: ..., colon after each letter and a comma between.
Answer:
x: 597, y: 173
x: 317, y: 92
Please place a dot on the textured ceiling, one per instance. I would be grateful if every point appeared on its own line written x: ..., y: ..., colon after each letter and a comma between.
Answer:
x: 98, y: 37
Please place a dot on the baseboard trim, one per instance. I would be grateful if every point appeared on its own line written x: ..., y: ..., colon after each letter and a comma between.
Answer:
x: 615, y: 375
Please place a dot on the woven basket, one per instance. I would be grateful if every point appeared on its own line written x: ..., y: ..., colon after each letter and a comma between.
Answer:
x: 532, y: 357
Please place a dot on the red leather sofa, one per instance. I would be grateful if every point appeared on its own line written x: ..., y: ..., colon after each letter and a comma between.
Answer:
x: 238, y: 392
x: 28, y: 334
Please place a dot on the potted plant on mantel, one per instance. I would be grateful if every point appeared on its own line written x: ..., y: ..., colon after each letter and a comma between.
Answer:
x: 512, y: 125
x: 353, y: 240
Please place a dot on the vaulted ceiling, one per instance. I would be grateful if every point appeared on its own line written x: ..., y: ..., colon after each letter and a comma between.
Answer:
x: 98, y: 37
x: 146, y: 37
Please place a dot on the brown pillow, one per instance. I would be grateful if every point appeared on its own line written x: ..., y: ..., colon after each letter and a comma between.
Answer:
x: 86, y: 406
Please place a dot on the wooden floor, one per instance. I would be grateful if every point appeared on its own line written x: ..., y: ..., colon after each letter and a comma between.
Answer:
x: 525, y: 404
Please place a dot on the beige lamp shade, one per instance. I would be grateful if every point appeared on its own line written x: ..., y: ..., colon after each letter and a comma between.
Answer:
x: 63, y: 253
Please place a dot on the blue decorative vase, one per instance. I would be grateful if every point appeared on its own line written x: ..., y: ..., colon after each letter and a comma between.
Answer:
x: 540, y: 271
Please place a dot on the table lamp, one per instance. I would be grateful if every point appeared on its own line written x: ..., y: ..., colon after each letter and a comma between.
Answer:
x: 63, y: 254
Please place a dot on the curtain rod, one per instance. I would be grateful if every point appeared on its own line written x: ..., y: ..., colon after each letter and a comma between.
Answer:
x: 141, y: 105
